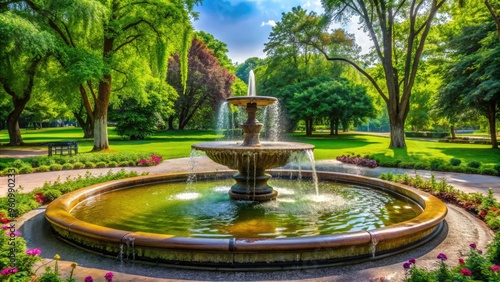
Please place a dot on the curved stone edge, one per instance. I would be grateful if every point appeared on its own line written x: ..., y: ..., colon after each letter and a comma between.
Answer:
x: 245, y: 252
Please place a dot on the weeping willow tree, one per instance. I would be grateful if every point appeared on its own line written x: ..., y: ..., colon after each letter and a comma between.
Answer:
x: 24, y: 49
x: 103, y: 42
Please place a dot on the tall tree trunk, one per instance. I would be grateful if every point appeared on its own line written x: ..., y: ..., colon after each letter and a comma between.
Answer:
x: 171, y: 123
x: 86, y: 124
x: 492, y: 123
x: 102, y: 102
x: 101, y: 115
x: 309, y: 126
x: 453, y: 133
x: 397, y: 131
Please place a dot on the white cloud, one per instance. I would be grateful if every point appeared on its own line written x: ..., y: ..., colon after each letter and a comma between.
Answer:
x: 269, y: 23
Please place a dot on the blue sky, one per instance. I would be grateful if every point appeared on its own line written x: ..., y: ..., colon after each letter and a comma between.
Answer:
x: 244, y: 25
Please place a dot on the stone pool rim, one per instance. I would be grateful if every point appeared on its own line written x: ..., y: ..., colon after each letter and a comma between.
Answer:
x: 248, y: 253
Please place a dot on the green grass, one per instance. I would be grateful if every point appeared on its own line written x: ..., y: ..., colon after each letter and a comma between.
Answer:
x: 329, y: 147
x: 169, y: 144
x: 176, y: 144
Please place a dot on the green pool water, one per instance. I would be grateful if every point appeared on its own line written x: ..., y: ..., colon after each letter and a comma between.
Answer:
x: 203, y: 210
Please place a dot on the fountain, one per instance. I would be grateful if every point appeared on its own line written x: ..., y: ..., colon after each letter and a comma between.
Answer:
x: 243, y: 239
x: 251, y: 158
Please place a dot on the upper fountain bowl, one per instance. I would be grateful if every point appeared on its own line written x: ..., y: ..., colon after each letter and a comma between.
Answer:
x: 260, y: 101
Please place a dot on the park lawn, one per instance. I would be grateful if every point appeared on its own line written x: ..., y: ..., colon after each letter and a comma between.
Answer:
x: 177, y: 144
x: 169, y: 144
x: 377, y: 147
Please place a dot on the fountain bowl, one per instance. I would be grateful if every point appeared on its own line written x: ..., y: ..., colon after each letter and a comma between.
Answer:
x: 250, y: 254
x: 259, y: 101
x: 235, y: 156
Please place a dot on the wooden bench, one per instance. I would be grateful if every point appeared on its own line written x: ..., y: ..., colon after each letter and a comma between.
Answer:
x: 60, y: 148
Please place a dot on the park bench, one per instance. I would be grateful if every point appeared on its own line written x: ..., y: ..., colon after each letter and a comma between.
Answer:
x: 63, y: 147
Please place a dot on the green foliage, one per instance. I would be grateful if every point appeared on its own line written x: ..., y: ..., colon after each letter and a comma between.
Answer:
x: 78, y: 165
x: 474, y: 164
x: 24, y: 262
x: 26, y: 169
x: 135, y: 121
x: 43, y: 168
x: 67, y: 166
x: 52, y: 194
x: 55, y: 167
x: 455, y: 162
x: 100, y: 164
x: 90, y: 164
x: 497, y: 168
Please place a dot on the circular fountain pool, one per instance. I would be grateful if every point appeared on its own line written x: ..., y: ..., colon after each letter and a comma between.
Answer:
x: 290, y: 232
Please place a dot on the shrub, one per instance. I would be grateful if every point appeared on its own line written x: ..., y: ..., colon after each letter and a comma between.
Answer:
x: 460, y: 169
x: 52, y: 194
x: 488, y: 171
x: 471, y: 170
x: 123, y: 163
x: 407, y: 165
x: 67, y: 166
x: 156, y: 160
x: 455, y: 162
x: 10, y: 170
x: 43, y: 168
x: 18, y: 163
x: 100, y: 164
x: 26, y: 169
x: 112, y: 164
x: 497, y: 168
x: 132, y: 163
x: 55, y: 167
x: 474, y: 164
x: 89, y: 165
x: 436, y: 163
x: 421, y: 166
x: 135, y: 121
x: 78, y: 165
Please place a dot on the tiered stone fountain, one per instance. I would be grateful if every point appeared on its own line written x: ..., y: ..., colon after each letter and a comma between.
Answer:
x: 252, y: 157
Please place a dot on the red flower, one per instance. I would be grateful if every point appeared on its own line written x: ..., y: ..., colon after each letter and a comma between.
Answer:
x: 483, y: 213
x: 495, y: 268
x: 466, y: 272
x: 461, y: 261
x: 5, y: 220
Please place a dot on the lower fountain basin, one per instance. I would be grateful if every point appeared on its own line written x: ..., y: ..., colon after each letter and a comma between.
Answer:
x: 246, y: 253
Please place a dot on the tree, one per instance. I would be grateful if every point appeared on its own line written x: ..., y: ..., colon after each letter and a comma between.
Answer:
x: 399, y: 30
x: 208, y: 84
x: 473, y: 80
x: 101, y: 37
x: 23, y: 48
x: 342, y: 102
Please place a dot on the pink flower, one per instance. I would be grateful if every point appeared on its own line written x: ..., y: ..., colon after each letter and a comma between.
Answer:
x: 5, y: 227
x: 495, y: 268
x: 89, y: 279
x: 412, y: 261
x: 109, y: 276
x: 9, y: 271
x: 461, y: 261
x: 442, y: 256
x: 466, y: 272
x: 473, y: 246
x: 33, y: 252
x: 406, y: 265
x: 16, y: 233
